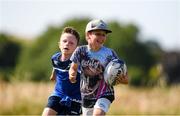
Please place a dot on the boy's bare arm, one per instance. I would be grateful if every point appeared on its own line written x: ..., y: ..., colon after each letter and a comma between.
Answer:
x: 53, y: 76
x: 73, y: 72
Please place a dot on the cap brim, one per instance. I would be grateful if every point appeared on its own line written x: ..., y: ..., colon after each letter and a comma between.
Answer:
x: 107, y: 31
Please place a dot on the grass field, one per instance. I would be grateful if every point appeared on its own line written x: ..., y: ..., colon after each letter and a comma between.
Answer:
x: 30, y: 98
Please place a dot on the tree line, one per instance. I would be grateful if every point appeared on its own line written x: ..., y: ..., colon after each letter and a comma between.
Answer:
x: 30, y: 60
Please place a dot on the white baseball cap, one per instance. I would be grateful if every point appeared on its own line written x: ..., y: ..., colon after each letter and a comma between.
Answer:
x: 97, y: 24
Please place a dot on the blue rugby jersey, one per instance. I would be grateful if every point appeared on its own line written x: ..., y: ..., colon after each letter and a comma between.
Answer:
x: 63, y: 87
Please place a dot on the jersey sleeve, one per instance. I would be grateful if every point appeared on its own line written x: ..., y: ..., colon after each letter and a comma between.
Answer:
x: 115, y: 56
x: 54, y: 59
x: 76, y: 56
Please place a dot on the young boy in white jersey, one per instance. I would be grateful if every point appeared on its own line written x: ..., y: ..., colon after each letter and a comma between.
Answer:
x: 66, y: 97
x: 93, y: 58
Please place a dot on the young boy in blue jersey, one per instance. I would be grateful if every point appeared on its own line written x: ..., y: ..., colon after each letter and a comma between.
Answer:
x: 66, y: 97
x: 93, y: 58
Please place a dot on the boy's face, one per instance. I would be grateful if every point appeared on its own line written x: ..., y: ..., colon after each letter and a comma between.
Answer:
x: 68, y: 43
x: 97, y: 38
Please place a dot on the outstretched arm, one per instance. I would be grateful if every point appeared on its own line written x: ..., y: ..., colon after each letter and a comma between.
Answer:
x: 73, y: 72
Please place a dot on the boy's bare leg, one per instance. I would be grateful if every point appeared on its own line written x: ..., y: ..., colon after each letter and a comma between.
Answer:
x: 98, y: 112
x: 48, y: 112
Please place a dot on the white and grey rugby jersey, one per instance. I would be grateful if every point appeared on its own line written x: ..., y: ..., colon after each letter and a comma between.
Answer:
x: 92, y: 66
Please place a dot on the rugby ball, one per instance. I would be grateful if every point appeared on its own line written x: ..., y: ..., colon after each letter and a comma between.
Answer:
x: 114, y: 72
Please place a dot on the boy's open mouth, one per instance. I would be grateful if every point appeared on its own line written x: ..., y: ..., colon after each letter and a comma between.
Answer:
x: 66, y: 48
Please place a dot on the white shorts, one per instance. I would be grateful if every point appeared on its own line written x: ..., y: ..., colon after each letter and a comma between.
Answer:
x: 101, y: 103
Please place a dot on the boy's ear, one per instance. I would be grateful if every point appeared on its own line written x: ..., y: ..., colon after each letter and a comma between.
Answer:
x: 87, y: 36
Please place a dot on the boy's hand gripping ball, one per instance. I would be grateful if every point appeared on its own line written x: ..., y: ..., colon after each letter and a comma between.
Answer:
x: 114, y: 72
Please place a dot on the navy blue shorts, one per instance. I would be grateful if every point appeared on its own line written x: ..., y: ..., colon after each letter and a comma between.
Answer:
x: 53, y: 103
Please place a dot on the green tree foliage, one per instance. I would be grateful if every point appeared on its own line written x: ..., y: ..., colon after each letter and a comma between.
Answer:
x: 171, y: 67
x: 9, y: 52
x: 35, y: 64
x: 35, y: 60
